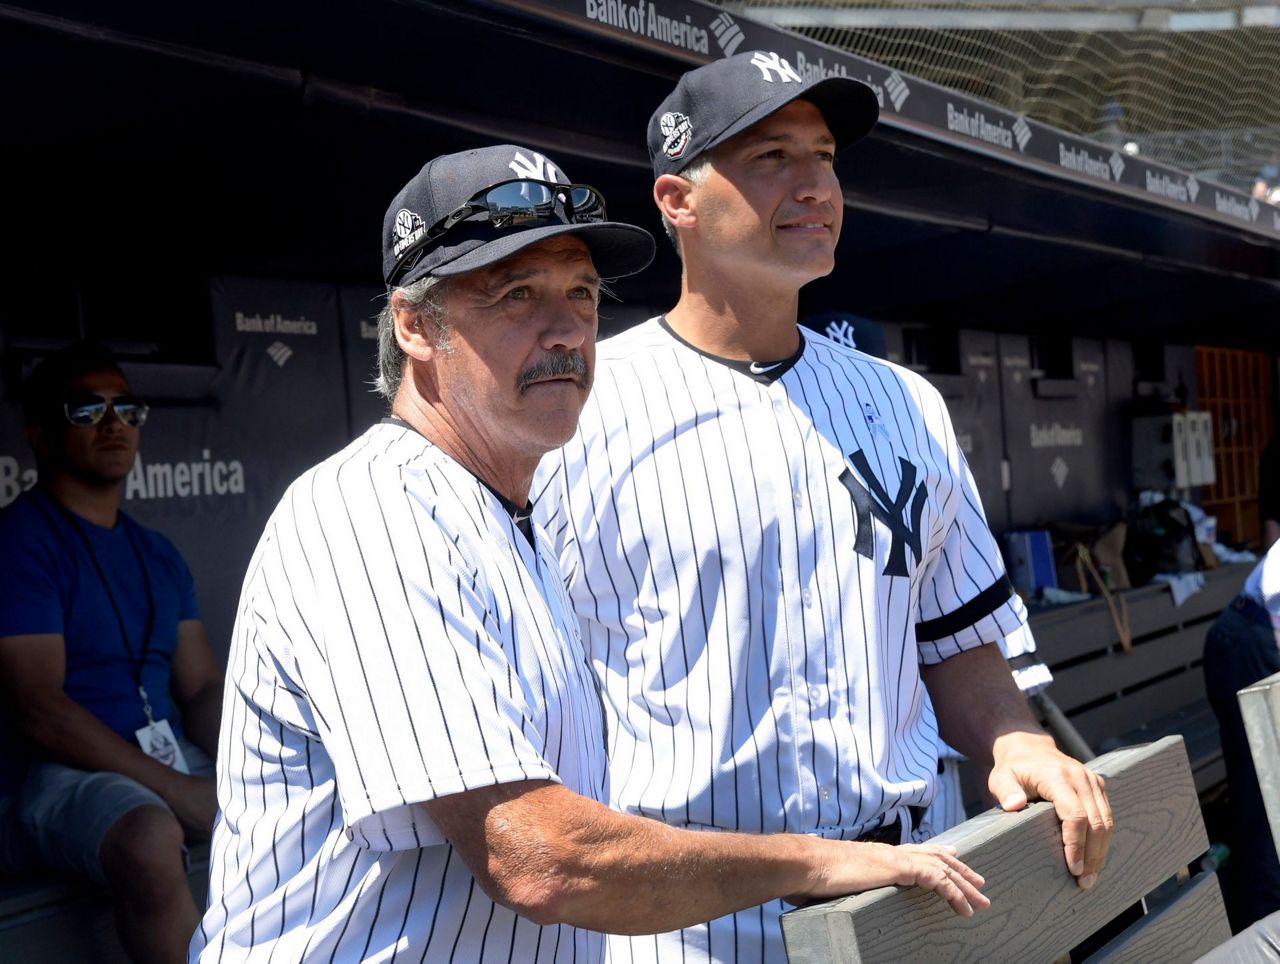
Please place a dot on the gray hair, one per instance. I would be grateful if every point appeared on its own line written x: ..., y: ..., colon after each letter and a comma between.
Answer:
x: 695, y: 173
x: 427, y: 298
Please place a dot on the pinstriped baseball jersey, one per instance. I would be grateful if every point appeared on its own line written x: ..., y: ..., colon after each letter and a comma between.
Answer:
x: 760, y: 559
x: 398, y: 640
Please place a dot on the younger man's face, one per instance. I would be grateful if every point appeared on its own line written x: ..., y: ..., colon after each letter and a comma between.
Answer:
x: 771, y: 202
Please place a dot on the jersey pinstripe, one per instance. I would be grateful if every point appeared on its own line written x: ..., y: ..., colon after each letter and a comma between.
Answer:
x: 397, y: 640
x: 759, y: 565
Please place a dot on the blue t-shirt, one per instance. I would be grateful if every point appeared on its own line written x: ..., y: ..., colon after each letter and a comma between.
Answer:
x: 52, y: 585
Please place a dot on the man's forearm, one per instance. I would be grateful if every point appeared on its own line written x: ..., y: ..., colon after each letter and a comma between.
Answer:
x: 201, y: 717
x: 64, y: 731
x: 978, y: 703
x: 624, y: 874
x: 556, y: 857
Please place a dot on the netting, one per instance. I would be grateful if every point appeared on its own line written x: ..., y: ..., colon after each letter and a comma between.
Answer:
x: 1187, y: 85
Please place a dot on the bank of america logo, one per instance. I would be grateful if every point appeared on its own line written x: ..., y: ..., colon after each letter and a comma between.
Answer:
x: 728, y: 34
x: 279, y: 353
x: 1059, y: 470
x: 1193, y: 188
x: 1021, y: 132
x: 898, y: 90
x: 1117, y: 165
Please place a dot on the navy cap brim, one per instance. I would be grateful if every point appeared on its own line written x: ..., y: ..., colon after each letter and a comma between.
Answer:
x: 617, y: 250
x: 848, y: 106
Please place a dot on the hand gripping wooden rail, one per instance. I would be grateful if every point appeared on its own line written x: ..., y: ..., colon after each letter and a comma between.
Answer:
x: 1037, y: 913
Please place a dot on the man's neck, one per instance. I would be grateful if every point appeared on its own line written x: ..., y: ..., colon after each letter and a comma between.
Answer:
x: 98, y: 503
x: 510, y: 478
x: 732, y: 319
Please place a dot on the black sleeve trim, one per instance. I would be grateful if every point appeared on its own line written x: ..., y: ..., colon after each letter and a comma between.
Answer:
x: 985, y: 603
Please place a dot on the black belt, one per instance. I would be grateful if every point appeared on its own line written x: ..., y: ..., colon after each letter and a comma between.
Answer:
x: 891, y: 832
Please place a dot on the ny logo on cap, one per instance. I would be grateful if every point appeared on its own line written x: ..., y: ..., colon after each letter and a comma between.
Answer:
x: 770, y: 63
x: 538, y: 169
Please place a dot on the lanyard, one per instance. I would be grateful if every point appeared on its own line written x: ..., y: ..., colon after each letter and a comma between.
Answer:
x: 145, y: 649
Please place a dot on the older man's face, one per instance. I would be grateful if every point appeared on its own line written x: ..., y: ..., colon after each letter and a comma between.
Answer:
x: 521, y: 347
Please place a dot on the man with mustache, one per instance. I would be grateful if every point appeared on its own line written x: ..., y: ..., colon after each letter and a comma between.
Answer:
x: 412, y: 759
x: 773, y: 542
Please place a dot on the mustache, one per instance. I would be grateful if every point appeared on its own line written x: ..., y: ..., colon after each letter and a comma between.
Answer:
x: 552, y: 366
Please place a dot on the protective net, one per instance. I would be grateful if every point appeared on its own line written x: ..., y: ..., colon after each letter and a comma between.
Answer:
x: 1195, y: 85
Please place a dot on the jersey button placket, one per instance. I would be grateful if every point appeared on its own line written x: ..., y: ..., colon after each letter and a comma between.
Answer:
x: 791, y: 578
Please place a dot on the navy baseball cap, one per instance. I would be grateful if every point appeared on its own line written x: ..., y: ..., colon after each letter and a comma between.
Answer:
x: 480, y: 236
x: 725, y: 97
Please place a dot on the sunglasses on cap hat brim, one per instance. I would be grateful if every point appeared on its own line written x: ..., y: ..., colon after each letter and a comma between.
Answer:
x: 518, y: 204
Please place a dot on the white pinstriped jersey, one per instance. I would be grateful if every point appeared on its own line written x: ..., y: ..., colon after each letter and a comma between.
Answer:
x: 759, y: 565
x: 398, y: 640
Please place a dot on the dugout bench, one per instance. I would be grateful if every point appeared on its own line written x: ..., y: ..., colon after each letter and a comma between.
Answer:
x: 1115, y: 698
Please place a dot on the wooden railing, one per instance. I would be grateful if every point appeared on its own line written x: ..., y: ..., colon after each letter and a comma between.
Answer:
x: 1260, y: 708
x: 1038, y: 913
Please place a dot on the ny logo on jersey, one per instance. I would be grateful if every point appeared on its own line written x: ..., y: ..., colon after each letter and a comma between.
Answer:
x: 538, y: 169
x: 771, y: 63
x: 892, y: 512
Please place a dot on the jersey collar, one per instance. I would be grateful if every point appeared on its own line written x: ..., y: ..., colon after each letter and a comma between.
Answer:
x: 766, y: 373
x: 520, y: 515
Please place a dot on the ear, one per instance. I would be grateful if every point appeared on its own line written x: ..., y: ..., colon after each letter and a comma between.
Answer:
x: 416, y: 337
x: 674, y: 196
x: 37, y: 438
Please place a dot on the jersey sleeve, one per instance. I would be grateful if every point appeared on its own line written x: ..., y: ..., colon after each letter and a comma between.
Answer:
x: 966, y: 599
x: 413, y: 694
x: 1269, y: 585
x: 32, y: 600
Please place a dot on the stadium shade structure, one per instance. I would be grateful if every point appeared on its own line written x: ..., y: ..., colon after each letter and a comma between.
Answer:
x: 265, y: 139
x: 1189, y: 83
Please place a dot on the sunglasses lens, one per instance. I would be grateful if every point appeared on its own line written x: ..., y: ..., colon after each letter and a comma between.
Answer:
x: 131, y: 409
x: 520, y: 202
x: 85, y: 413
x: 587, y: 204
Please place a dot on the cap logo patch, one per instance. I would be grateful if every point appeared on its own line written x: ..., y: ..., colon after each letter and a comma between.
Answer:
x: 537, y: 169
x: 770, y: 63
x: 409, y: 228
x: 677, y: 130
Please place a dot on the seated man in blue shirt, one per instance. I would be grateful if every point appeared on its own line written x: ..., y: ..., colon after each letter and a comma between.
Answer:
x: 101, y: 649
x: 1241, y: 648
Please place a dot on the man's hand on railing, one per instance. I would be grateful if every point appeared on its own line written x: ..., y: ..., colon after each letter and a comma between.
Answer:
x: 855, y: 867
x: 1028, y: 766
